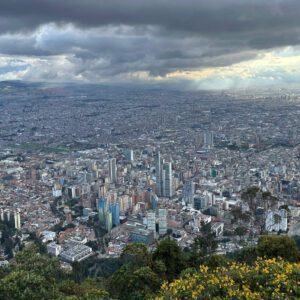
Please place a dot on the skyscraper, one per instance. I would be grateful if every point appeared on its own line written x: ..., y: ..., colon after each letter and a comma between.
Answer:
x: 115, y: 211
x: 112, y: 169
x: 17, y: 218
x: 102, y: 208
x: 167, y: 180
x: 151, y: 223
x: 162, y: 214
x: 188, y: 191
x: 159, y: 175
x: 128, y: 153
x: 208, y: 139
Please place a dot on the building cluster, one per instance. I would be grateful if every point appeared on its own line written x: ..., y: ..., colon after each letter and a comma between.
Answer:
x: 137, y: 170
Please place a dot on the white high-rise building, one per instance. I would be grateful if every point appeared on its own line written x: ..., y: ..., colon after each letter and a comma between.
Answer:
x: 276, y: 220
x: 2, y: 215
x: 151, y: 221
x: 167, y: 180
x: 112, y: 169
x: 17, y: 218
x: 208, y: 139
x: 162, y: 214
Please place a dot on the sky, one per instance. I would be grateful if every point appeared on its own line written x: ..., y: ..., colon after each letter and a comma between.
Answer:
x: 193, y: 44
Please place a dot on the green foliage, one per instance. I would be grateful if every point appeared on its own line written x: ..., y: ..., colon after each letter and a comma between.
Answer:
x: 250, y: 192
x: 171, y: 255
x: 215, y: 261
x: 241, y: 231
x: 278, y: 246
x: 137, y: 254
x: 139, y: 274
x: 130, y: 282
x: 24, y: 285
x: 247, y: 255
x: 88, y: 290
x: 296, y: 238
x: 32, y: 261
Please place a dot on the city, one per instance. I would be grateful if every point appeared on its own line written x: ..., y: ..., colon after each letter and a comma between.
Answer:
x: 161, y: 172
x: 149, y: 150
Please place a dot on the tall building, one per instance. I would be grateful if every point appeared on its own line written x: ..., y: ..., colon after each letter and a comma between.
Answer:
x: 153, y: 201
x: 128, y: 153
x: 276, y: 220
x: 151, y: 222
x: 17, y: 218
x: 167, y: 180
x: 2, y: 215
x: 159, y: 175
x: 108, y: 221
x: 208, y: 139
x: 200, y: 202
x: 112, y: 169
x: 115, y: 211
x: 102, y: 208
x: 162, y: 214
x: 188, y: 191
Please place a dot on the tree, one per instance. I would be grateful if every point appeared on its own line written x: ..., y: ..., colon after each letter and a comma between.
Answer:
x: 249, y: 196
x: 134, y: 283
x: 171, y: 255
x: 246, y: 255
x: 241, y: 231
x: 137, y: 254
x: 29, y: 259
x: 278, y: 246
x: 90, y: 289
x: 23, y: 285
x: 215, y: 261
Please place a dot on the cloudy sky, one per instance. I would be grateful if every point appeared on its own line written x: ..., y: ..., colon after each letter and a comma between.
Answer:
x: 197, y: 44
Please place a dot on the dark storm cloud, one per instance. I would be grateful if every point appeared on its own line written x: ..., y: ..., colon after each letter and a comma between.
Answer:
x: 208, y: 18
x: 106, y: 38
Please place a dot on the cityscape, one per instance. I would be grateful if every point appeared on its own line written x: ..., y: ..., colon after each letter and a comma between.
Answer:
x: 164, y: 168
x: 149, y: 150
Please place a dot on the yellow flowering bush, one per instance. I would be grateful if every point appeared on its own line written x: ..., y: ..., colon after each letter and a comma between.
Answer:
x: 265, y: 279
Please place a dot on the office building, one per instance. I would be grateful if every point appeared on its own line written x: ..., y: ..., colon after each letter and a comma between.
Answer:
x: 153, y: 201
x: 54, y: 249
x: 17, y: 219
x: 115, y: 211
x: 208, y: 139
x: 102, y: 209
x: 200, y: 202
x: 151, y: 221
x: 128, y: 153
x: 167, y: 180
x: 112, y: 170
x: 188, y: 192
x: 162, y: 214
x: 159, y: 175
x: 2, y: 215
x: 276, y: 220
x: 108, y: 221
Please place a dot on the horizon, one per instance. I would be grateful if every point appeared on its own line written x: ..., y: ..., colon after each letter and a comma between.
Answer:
x: 189, y: 46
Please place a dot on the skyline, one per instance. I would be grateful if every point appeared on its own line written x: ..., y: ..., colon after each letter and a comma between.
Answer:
x: 189, y: 45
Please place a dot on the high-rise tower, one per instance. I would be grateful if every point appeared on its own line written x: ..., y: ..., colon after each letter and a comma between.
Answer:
x: 167, y: 180
x: 159, y: 175
x: 112, y: 169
